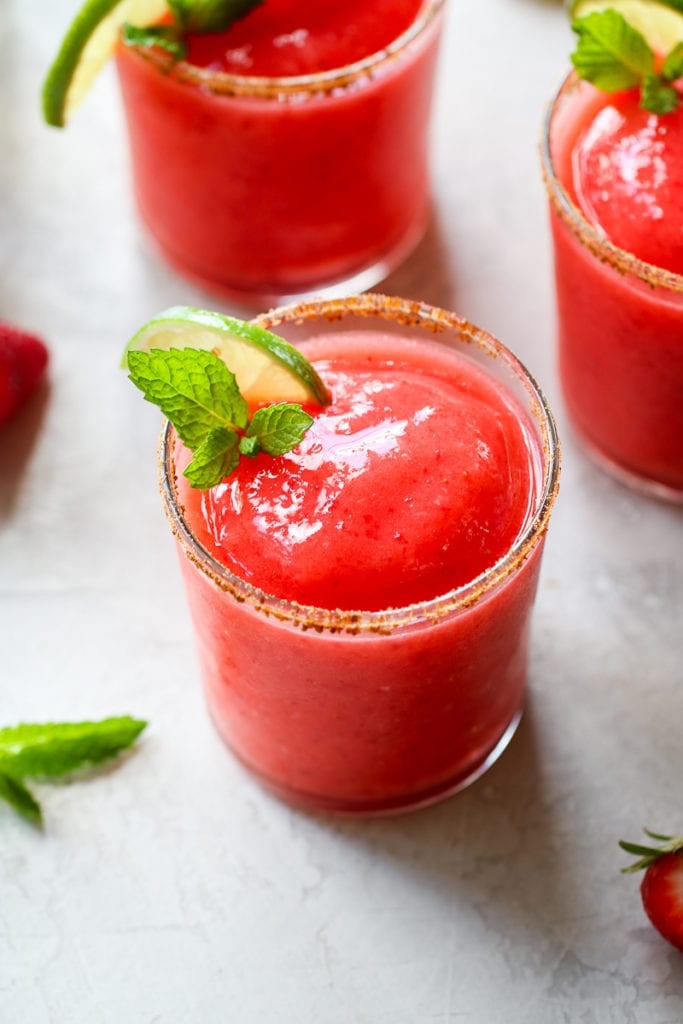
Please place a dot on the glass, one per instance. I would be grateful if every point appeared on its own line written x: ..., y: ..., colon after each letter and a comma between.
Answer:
x: 620, y: 327
x: 265, y: 188
x: 372, y: 712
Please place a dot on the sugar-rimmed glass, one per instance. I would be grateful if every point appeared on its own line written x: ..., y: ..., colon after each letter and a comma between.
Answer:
x: 372, y: 712
x: 620, y: 326
x: 264, y: 188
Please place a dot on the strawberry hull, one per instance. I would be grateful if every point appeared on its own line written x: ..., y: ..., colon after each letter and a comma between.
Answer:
x: 662, y: 895
x: 276, y: 189
x: 374, y: 711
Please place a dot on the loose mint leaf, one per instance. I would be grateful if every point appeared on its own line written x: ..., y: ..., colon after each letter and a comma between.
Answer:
x: 167, y: 37
x: 193, y: 388
x: 611, y: 53
x: 214, y: 459
x: 658, y: 97
x: 279, y: 428
x: 210, y: 15
x: 18, y: 796
x: 54, y: 749
x: 673, y: 65
x: 249, y: 446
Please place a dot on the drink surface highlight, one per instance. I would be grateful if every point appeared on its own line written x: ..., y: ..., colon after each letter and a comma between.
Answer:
x: 436, y: 459
x: 418, y: 477
x: 627, y: 178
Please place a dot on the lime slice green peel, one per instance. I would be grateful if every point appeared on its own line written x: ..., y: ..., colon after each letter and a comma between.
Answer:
x: 187, y: 327
x: 62, y: 70
x: 88, y: 44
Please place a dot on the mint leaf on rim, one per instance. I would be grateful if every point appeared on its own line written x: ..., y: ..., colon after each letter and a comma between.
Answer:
x: 611, y: 53
x: 193, y: 388
x: 199, y: 395
x: 613, y: 56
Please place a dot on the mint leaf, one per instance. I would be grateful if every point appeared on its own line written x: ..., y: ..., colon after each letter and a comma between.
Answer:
x: 249, y: 446
x: 279, y: 428
x: 210, y: 15
x: 658, y: 97
x: 167, y: 37
x: 54, y: 749
x: 199, y: 395
x: 611, y: 53
x: 214, y: 459
x: 19, y: 797
x: 673, y: 65
x: 194, y: 389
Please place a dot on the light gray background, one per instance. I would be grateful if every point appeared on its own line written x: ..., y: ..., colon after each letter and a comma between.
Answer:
x: 172, y: 889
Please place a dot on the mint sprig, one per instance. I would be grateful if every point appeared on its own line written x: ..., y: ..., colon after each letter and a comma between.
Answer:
x: 53, y: 750
x: 197, y: 392
x: 613, y: 55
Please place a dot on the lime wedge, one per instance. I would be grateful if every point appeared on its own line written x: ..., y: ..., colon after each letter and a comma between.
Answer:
x: 87, y: 46
x: 660, y: 21
x: 267, y: 368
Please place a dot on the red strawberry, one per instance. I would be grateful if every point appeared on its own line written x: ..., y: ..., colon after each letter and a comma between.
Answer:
x: 23, y: 359
x: 662, y: 886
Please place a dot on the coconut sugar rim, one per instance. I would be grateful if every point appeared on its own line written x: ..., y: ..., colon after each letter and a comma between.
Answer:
x: 597, y: 243
x: 409, y: 314
x: 221, y: 83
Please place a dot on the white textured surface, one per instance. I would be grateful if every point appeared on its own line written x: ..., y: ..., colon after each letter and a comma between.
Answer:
x: 172, y: 890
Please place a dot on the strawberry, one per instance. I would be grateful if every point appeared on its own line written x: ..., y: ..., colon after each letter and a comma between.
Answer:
x: 662, y: 885
x: 23, y: 359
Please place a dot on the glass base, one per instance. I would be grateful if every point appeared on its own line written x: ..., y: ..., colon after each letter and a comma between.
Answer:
x: 258, y: 300
x: 381, y: 808
x: 634, y: 481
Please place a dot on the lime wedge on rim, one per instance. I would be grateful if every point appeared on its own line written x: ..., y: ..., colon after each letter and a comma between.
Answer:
x: 660, y: 21
x: 267, y: 368
x: 87, y: 46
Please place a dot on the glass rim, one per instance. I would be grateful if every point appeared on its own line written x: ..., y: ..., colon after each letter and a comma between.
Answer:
x: 222, y: 83
x: 599, y: 245
x: 435, y: 320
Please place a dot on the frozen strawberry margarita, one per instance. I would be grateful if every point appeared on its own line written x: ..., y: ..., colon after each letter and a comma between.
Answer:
x: 288, y: 153
x: 614, y: 173
x: 362, y: 604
